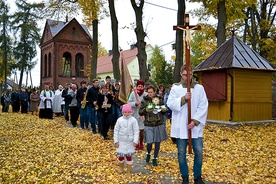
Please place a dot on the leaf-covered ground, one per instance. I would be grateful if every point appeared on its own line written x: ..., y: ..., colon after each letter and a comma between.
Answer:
x: 33, y: 150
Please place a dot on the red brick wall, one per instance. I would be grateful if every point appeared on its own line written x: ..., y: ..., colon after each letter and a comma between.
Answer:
x: 72, y: 39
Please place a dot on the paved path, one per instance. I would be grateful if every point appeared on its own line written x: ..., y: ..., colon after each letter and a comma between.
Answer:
x: 140, y: 166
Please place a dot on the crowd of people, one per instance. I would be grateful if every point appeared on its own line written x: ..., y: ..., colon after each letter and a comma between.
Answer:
x: 141, y: 120
x: 20, y: 100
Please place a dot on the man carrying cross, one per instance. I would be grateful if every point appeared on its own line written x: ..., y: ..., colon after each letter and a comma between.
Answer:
x: 189, y: 106
x: 177, y: 102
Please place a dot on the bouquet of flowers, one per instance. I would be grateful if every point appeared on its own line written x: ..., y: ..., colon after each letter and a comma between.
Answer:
x: 150, y: 107
x: 164, y: 108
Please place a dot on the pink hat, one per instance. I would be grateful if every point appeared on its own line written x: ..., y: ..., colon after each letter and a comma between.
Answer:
x: 127, y: 108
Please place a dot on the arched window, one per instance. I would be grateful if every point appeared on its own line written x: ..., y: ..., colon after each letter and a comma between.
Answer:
x: 79, y: 65
x: 45, y: 66
x: 49, y: 65
x: 66, y: 64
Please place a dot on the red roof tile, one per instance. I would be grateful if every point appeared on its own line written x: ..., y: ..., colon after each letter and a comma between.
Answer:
x: 104, y: 64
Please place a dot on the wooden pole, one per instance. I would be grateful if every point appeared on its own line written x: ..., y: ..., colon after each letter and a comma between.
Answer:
x: 187, y: 29
x: 188, y: 68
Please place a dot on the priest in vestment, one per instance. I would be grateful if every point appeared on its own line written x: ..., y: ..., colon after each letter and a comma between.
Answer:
x: 46, y: 103
x: 58, y: 101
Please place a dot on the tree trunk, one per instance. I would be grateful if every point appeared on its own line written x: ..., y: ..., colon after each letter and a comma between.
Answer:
x: 27, y: 76
x: 253, y: 30
x: 141, y: 44
x: 94, y: 59
x: 5, y: 58
x: 31, y: 79
x: 179, y: 41
x: 221, y: 28
x: 265, y: 25
x: 1, y: 88
x: 115, y: 42
x: 246, y: 25
x: 21, y: 77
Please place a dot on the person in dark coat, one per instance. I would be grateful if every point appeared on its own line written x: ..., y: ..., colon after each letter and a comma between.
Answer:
x: 15, y: 100
x: 83, y: 105
x: 92, y: 97
x: 24, y: 98
x: 105, y: 101
x: 67, y: 101
x: 73, y: 106
x: 2, y: 102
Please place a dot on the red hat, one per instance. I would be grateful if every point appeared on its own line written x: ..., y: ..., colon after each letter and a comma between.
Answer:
x: 140, y: 82
x: 127, y: 108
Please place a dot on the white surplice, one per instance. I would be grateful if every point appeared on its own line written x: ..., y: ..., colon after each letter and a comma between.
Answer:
x: 46, y: 99
x: 57, y: 101
x: 199, y: 110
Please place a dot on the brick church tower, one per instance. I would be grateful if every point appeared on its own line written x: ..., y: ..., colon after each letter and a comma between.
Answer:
x: 66, y: 49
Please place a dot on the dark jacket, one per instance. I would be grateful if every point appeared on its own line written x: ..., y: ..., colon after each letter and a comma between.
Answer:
x: 15, y: 97
x: 24, y: 98
x: 80, y: 95
x: 2, y: 100
x: 66, y: 96
x: 151, y: 119
x: 101, y: 100
x: 92, y: 95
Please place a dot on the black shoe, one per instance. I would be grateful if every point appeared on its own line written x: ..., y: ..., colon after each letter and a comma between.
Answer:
x: 94, y: 131
x: 198, y: 180
x: 148, y: 158
x: 185, y: 180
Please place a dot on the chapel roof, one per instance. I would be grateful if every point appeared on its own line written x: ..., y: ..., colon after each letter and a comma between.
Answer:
x: 234, y: 54
x: 56, y: 26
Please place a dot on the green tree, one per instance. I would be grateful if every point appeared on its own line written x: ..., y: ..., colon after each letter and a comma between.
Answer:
x: 161, y: 71
x: 229, y: 13
x: 92, y: 10
x: 60, y: 9
x: 260, y: 27
x: 5, y: 42
x: 102, y: 50
x: 252, y: 20
x: 27, y: 34
x: 203, y: 44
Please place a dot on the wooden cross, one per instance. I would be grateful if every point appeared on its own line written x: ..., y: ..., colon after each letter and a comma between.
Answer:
x: 187, y: 27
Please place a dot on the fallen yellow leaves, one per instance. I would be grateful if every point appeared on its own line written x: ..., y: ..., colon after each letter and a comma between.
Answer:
x: 34, y: 150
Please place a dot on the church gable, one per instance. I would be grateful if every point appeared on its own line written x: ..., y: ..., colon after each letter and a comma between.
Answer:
x: 46, y: 34
x: 73, y: 31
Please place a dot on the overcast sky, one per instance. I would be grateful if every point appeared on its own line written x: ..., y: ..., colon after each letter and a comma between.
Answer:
x: 159, y: 18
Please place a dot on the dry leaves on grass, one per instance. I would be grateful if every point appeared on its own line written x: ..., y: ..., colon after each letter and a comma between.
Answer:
x: 36, y: 150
